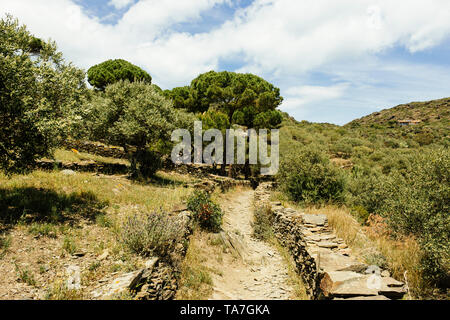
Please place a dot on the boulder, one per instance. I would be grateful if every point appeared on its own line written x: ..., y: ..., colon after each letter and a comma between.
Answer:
x: 74, y: 277
x: 126, y: 282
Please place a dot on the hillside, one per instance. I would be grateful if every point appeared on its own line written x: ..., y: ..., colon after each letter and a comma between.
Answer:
x: 433, y: 114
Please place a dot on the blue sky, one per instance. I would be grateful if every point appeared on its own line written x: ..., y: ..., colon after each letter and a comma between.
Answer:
x: 334, y: 61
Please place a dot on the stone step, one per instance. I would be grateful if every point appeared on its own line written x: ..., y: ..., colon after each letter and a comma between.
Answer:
x: 347, y: 284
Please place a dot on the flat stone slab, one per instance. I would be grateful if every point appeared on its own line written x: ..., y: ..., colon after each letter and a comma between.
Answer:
x: 315, y: 219
x: 333, y: 261
x: 347, y: 284
x: 121, y: 284
x: 327, y: 244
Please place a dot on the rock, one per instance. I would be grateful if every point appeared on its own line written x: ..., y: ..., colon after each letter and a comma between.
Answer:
x: 234, y: 242
x: 179, y: 208
x: 325, y: 237
x: 315, y: 219
x: 74, y: 277
x: 104, y: 255
x: 385, y: 273
x: 345, y: 252
x: 346, y: 284
x: 68, y: 172
x: 365, y: 298
x: 392, y: 283
x: 373, y: 270
x: 128, y: 281
x: 327, y: 244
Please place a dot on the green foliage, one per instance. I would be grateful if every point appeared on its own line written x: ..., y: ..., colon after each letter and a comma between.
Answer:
x: 39, y: 97
x: 25, y: 276
x: 5, y: 243
x: 215, y: 120
x: 418, y: 202
x: 43, y: 229
x: 262, y: 226
x: 138, y: 118
x: 69, y: 245
x: 156, y: 233
x: 180, y: 96
x: 361, y: 214
x: 246, y: 99
x: 307, y: 175
x: 112, y: 71
x: 207, y: 213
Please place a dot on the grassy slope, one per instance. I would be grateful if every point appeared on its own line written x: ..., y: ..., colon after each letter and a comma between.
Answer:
x: 46, y: 217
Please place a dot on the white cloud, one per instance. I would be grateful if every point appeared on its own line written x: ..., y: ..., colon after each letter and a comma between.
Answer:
x: 277, y: 39
x: 120, y: 4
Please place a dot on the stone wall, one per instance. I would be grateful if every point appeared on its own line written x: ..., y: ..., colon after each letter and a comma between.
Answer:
x: 83, y: 166
x: 95, y: 148
x: 326, y: 264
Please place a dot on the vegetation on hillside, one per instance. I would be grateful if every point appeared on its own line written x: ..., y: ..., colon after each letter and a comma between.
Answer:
x: 383, y: 172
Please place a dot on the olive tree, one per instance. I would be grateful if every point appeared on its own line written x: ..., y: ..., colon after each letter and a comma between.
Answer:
x: 39, y: 95
x: 138, y: 118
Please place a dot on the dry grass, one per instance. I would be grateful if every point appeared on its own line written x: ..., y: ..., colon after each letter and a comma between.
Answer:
x: 53, y: 206
x: 196, y: 282
x: 164, y: 191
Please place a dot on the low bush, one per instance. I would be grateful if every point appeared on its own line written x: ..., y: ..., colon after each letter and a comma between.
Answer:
x: 156, y: 233
x: 308, y: 176
x: 262, y: 226
x: 417, y: 203
x: 207, y: 213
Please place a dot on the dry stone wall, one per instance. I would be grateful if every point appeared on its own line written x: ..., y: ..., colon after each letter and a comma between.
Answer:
x: 95, y: 148
x: 323, y: 260
x: 83, y: 166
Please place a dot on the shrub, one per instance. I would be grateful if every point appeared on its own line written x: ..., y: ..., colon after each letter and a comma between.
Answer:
x: 361, y: 214
x: 417, y: 202
x: 156, y: 233
x: 366, y: 188
x: 262, y: 226
x: 207, y: 213
x: 307, y: 175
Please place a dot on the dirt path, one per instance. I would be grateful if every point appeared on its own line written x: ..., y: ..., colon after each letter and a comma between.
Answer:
x: 260, y: 273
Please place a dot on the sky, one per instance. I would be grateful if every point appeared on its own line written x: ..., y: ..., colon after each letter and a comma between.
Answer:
x: 334, y: 61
